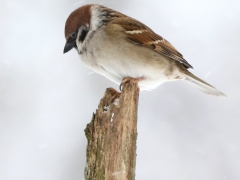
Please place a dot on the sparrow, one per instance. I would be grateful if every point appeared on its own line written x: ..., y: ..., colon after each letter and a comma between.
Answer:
x: 124, y: 49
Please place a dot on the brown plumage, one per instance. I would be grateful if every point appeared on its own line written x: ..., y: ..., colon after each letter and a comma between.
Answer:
x: 117, y: 46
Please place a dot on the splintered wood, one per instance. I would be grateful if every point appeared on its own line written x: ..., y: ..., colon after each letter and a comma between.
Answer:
x: 112, y: 135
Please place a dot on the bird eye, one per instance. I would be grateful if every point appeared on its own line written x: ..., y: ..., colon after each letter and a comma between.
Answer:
x: 73, y: 35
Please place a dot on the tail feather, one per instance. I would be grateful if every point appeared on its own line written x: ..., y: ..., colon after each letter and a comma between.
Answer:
x: 202, y: 85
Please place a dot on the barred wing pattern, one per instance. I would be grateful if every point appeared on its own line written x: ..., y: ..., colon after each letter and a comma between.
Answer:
x: 142, y: 35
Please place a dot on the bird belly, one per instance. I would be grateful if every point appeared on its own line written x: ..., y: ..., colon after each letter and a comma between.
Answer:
x: 116, y: 68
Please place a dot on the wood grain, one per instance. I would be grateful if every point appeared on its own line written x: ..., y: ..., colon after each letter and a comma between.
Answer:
x: 112, y: 135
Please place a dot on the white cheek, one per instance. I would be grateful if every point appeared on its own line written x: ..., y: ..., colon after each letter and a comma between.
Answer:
x: 95, y: 17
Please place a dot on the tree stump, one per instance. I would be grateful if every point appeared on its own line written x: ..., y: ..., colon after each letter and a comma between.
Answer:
x: 112, y: 135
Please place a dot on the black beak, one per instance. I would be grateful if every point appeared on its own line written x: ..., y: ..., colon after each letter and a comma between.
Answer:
x: 68, y: 47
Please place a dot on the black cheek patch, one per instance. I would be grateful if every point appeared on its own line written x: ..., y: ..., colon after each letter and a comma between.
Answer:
x: 83, y: 35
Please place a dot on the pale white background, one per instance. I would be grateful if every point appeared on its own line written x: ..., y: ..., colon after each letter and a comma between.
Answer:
x: 47, y: 98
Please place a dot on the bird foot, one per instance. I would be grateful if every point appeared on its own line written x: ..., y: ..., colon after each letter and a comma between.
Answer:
x: 131, y: 80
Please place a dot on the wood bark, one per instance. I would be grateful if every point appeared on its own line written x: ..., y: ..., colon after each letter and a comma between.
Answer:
x: 112, y: 135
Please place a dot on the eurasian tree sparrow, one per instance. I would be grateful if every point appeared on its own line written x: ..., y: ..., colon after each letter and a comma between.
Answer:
x: 117, y: 47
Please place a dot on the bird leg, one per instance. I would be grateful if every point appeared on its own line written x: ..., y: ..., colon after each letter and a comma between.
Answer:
x: 131, y: 80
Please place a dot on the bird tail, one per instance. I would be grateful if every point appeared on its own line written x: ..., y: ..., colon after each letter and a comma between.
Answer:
x: 202, y: 85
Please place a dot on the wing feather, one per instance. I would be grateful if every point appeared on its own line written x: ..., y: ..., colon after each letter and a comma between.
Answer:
x: 142, y: 35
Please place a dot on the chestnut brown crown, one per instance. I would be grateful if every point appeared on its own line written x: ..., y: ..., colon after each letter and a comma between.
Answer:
x: 80, y: 16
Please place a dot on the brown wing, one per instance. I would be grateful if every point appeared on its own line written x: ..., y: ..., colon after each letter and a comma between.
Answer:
x: 142, y: 35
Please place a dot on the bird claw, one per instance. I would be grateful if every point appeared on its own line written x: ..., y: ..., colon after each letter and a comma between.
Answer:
x: 129, y: 79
